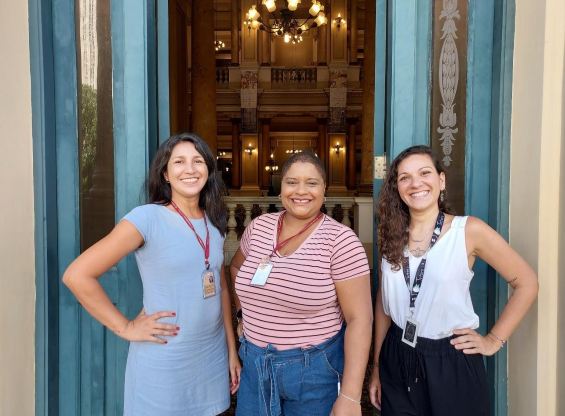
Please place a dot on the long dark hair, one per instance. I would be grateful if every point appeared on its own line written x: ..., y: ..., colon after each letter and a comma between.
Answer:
x: 393, y: 215
x: 211, y: 196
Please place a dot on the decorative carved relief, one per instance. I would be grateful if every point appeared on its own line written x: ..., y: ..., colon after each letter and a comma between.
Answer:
x: 448, y: 79
x: 338, y: 99
x: 249, y: 101
x: 449, y: 84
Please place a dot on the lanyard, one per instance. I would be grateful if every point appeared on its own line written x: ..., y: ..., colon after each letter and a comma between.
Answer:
x: 205, y: 246
x: 281, y: 244
x: 422, y: 266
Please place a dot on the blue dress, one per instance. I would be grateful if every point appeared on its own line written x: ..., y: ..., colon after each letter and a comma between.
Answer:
x: 188, y: 375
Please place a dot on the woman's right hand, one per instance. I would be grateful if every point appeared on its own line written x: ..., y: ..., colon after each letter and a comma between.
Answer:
x: 148, y: 328
x: 375, y: 388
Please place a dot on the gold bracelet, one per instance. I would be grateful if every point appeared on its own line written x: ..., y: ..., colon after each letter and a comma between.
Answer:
x: 345, y: 396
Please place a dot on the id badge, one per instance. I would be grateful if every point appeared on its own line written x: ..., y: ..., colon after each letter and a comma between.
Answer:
x: 208, y: 284
x: 262, y: 273
x: 410, y: 332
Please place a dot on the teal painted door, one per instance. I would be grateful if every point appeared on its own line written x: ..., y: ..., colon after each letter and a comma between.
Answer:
x: 403, y: 94
x: 106, y: 48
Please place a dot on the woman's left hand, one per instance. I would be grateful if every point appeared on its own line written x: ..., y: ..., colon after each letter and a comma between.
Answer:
x: 235, y: 371
x: 471, y: 342
x: 345, y: 407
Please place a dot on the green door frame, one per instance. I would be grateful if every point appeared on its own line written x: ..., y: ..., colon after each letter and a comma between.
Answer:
x: 403, y: 42
x: 53, y: 73
x: 45, y: 205
x: 59, y: 389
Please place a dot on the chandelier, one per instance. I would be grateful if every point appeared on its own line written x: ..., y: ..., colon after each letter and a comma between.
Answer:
x: 284, y: 22
x: 218, y: 45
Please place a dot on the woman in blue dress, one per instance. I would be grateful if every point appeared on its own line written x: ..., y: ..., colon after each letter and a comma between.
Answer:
x: 182, y: 358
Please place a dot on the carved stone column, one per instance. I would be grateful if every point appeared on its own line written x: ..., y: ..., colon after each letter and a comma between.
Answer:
x: 204, y: 72
x: 236, y: 154
x: 366, y: 185
x: 350, y: 177
x: 265, y: 151
x: 323, y: 45
x: 235, y: 32
x: 323, y: 141
x: 264, y: 48
x: 353, y: 32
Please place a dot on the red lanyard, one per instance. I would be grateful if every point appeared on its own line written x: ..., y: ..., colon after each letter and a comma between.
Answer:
x: 281, y: 244
x: 205, y: 246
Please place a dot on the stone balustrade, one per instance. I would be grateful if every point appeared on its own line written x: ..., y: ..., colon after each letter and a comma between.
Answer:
x: 241, y: 210
x: 222, y: 77
x: 304, y: 77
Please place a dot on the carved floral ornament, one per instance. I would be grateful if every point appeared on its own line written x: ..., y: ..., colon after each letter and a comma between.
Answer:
x: 448, y: 79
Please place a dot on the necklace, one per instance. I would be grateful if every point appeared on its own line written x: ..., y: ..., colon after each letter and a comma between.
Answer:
x: 417, y: 252
x: 425, y: 237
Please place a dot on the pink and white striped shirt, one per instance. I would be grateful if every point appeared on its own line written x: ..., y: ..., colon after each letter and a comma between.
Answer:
x: 298, y: 305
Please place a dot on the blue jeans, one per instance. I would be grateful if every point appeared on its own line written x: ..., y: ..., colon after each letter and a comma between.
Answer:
x: 296, y: 382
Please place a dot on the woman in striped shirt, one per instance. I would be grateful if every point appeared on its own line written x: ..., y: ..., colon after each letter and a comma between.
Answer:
x: 300, y: 275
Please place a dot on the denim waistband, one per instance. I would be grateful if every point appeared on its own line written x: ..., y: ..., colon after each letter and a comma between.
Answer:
x: 265, y: 358
x: 293, y: 352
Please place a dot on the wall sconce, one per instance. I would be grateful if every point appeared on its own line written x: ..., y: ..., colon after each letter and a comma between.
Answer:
x: 251, y: 18
x: 249, y: 149
x: 339, y: 20
x: 337, y: 147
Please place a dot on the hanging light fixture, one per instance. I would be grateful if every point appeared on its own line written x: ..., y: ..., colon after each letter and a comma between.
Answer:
x: 284, y: 22
x: 293, y: 150
x: 218, y: 44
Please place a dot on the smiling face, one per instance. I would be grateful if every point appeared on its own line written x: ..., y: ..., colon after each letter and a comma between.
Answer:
x: 419, y: 184
x: 302, y: 190
x: 186, y: 171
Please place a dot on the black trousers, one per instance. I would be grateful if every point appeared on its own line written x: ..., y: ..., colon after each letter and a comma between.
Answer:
x: 433, y: 379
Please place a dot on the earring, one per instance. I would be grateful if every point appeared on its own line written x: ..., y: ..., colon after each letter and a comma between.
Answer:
x: 325, y: 199
x: 442, y: 195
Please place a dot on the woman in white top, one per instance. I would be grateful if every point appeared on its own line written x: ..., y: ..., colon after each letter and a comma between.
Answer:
x: 428, y: 354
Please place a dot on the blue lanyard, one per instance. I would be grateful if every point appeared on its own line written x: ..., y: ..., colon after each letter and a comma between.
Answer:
x: 422, y: 266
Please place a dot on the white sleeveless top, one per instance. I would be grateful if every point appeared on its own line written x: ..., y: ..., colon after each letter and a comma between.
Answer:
x: 444, y: 301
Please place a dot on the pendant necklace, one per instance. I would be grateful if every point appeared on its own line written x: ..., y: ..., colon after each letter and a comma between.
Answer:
x: 417, y: 252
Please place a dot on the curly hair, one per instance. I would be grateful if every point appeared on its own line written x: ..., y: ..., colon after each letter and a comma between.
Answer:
x: 393, y: 216
x: 211, y: 196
